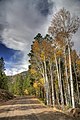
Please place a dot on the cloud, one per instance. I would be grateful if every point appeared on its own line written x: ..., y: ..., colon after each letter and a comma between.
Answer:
x: 21, y: 20
x: 71, y: 5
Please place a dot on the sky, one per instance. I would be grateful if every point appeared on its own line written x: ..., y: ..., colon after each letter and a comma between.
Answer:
x: 21, y: 20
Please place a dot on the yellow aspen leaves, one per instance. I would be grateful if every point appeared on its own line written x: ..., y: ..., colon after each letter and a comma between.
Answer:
x: 33, y: 71
x: 35, y: 85
x: 41, y: 81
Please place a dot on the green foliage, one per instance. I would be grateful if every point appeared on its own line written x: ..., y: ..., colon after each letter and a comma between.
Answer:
x: 3, y: 78
x: 21, y: 84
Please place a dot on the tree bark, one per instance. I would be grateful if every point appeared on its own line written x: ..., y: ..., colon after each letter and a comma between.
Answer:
x: 71, y: 79
x: 46, y: 84
x: 52, y: 85
x: 59, y: 80
x: 68, y: 87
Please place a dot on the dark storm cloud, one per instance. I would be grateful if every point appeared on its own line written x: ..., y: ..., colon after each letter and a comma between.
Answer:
x: 2, y: 15
x: 20, y: 17
x: 45, y: 7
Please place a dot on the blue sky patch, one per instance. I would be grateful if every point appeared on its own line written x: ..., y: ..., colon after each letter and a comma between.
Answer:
x: 6, y: 53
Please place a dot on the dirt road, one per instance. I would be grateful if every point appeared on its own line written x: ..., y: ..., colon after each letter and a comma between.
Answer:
x: 29, y: 108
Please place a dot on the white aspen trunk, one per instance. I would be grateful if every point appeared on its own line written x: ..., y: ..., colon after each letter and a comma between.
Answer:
x: 68, y: 87
x: 46, y: 84
x: 53, y: 99
x: 71, y: 79
x: 62, y: 99
x: 59, y: 83
x: 56, y: 67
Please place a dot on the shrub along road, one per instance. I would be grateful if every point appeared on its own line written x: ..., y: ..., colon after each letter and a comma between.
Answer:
x: 29, y: 108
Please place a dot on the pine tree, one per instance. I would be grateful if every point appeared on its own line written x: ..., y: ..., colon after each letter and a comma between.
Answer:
x: 3, y: 78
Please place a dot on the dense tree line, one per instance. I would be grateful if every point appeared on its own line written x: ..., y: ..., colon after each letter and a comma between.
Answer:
x: 20, y: 84
x: 54, y: 64
x: 3, y: 78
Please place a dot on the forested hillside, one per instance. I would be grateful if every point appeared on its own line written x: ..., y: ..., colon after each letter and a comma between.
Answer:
x: 20, y: 84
